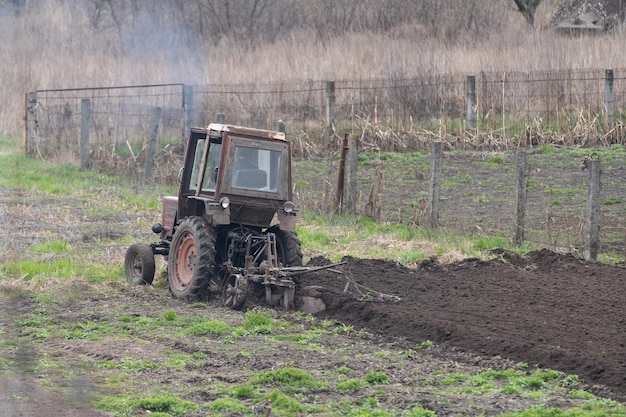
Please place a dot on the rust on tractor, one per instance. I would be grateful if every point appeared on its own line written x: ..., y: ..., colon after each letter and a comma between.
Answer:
x: 232, y: 226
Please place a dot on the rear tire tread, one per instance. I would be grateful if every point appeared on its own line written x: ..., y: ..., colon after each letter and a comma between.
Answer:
x: 204, y: 235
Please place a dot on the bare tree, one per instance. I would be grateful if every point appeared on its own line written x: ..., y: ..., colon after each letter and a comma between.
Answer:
x: 528, y: 9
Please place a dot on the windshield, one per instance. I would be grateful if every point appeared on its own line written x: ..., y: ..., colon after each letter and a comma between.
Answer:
x: 256, y: 169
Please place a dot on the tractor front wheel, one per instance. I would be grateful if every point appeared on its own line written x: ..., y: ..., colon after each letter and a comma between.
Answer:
x: 289, y: 247
x: 191, y: 259
x: 139, y: 264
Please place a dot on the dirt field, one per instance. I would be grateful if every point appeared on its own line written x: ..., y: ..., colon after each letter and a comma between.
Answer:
x: 544, y: 308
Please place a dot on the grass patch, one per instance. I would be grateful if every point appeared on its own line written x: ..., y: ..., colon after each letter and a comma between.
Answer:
x: 292, y: 380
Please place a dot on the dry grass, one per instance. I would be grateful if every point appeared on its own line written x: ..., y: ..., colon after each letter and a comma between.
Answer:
x: 55, y: 46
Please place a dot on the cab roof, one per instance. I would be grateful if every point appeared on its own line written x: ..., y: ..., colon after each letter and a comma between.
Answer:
x: 221, y: 128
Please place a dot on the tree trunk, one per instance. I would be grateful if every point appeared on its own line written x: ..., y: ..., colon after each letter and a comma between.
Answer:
x: 528, y: 9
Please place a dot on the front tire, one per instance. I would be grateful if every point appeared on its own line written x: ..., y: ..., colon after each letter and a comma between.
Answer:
x: 191, y: 260
x: 139, y: 265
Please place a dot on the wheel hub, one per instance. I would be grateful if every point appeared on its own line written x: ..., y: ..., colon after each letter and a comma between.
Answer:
x: 187, y: 259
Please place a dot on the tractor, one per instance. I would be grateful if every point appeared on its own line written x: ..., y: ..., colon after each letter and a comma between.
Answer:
x: 231, y: 229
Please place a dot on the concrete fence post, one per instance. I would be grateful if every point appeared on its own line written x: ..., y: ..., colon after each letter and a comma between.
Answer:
x: 592, y: 228
x: 330, y: 109
x: 188, y: 111
x: 152, y: 142
x: 435, y: 182
x: 520, y: 198
x: 471, y: 101
x: 31, y: 123
x: 608, y: 97
x: 85, y: 129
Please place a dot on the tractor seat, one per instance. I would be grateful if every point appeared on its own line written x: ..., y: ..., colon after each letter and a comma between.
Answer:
x: 250, y: 178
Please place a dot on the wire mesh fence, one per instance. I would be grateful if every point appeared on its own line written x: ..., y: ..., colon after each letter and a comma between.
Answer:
x: 392, y: 114
x: 574, y: 107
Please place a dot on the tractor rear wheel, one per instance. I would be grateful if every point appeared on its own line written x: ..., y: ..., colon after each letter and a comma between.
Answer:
x: 191, y: 259
x: 139, y: 264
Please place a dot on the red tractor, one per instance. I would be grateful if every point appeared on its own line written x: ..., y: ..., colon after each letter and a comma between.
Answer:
x: 232, y: 227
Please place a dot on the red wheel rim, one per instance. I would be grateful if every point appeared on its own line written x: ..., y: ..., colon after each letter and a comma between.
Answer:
x: 186, y: 262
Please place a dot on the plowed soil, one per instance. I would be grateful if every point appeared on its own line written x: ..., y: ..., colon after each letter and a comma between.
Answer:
x: 543, y: 308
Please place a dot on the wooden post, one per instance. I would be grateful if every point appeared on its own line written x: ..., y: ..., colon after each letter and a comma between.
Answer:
x: 351, y: 179
x: 593, y: 212
x: 152, y: 142
x: 341, y: 175
x: 520, y: 198
x: 471, y: 101
x: 31, y: 123
x: 187, y: 109
x: 435, y: 181
x: 330, y: 109
x: 608, y: 97
x: 85, y: 128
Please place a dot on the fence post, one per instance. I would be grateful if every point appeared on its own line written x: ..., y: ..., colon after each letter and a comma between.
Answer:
x: 608, y: 97
x: 220, y: 118
x: 435, y: 178
x: 187, y: 109
x: 471, y: 101
x: 351, y: 180
x: 31, y: 123
x: 280, y: 126
x: 152, y: 142
x: 593, y: 212
x: 520, y: 198
x: 85, y: 128
x: 341, y: 176
x: 330, y: 108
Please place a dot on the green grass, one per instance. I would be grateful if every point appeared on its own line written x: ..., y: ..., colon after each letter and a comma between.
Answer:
x: 209, y: 350
x: 292, y: 380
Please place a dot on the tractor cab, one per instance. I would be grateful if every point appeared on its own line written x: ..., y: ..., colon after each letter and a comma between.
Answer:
x: 234, y: 175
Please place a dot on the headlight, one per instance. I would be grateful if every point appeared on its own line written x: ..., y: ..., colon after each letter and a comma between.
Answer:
x: 224, y: 202
x: 288, y: 207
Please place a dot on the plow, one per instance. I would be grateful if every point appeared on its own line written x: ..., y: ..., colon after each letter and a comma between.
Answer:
x: 231, y: 230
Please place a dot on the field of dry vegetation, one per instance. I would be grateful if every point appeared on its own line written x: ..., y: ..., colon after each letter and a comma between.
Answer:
x: 59, y: 44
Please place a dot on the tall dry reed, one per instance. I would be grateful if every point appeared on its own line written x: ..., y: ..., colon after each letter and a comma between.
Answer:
x: 57, y: 45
